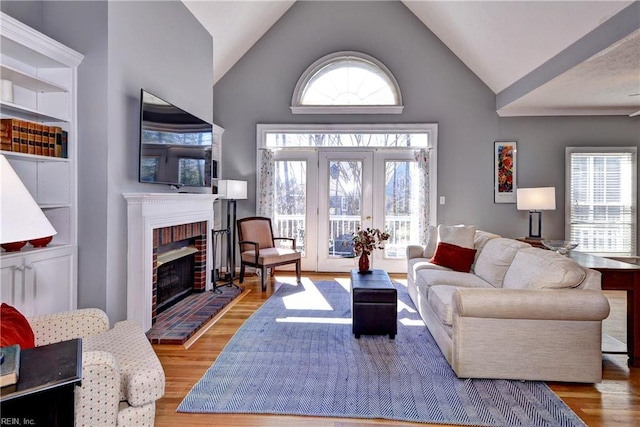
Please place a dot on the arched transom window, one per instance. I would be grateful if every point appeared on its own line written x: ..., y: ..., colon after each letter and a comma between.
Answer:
x: 347, y: 83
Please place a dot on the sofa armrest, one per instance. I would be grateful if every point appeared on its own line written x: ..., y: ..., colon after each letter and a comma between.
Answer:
x: 415, y: 251
x: 98, y: 397
x: 56, y: 327
x: 535, y: 304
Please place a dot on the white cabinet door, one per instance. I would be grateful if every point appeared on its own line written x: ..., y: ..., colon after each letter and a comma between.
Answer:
x: 40, y: 282
x: 11, y: 283
x: 50, y: 281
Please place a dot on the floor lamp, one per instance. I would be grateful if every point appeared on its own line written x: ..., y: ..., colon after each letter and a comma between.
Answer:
x: 232, y: 191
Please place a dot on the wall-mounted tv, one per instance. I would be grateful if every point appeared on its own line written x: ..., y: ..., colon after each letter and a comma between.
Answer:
x: 175, y: 146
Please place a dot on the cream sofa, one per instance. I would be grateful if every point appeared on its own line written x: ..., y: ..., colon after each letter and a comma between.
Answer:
x: 121, y: 375
x: 520, y: 313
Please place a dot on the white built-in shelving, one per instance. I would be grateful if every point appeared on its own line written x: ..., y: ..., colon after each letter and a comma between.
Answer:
x: 43, y: 73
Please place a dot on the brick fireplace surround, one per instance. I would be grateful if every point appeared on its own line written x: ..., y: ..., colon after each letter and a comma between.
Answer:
x: 163, y: 216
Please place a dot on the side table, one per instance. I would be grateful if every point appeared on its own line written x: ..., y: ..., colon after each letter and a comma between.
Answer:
x: 44, y: 393
x: 536, y: 243
x: 619, y: 276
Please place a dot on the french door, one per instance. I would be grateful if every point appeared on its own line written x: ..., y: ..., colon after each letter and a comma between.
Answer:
x: 345, y: 204
x: 326, y: 195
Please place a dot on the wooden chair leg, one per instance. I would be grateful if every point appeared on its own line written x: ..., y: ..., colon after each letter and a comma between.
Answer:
x: 242, y: 266
x: 298, y: 271
x: 263, y: 278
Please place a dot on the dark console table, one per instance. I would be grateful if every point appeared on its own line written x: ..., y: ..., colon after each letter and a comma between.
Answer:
x: 44, y: 393
x: 619, y: 276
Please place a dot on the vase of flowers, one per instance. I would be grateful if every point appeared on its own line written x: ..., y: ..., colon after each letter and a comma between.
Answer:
x: 364, y: 242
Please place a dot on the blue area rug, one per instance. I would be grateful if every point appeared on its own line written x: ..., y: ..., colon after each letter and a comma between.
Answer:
x: 296, y: 355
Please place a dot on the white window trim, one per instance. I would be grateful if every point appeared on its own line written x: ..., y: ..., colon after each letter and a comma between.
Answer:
x: 567, y: 198
x: 347, y: 109
x: 298, y: 108
x: 430, y: 129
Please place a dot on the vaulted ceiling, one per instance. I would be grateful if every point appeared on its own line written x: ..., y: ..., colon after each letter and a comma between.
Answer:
x: 540, y: 58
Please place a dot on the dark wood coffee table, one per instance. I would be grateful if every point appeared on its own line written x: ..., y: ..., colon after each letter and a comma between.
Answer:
x: 374, y: 304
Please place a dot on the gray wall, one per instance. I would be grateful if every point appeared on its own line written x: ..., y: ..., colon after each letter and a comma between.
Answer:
x: 436, y: 87
x: 128, y: 45
x: 159, y: 46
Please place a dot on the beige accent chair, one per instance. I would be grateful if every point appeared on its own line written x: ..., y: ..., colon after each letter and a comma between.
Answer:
x: 258, y: 248
x: 121, y: 375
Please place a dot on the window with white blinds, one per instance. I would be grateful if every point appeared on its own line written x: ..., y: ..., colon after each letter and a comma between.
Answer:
x: 601, y: 199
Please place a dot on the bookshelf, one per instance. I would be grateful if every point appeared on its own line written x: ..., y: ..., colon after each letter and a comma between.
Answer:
x: 43, y: 76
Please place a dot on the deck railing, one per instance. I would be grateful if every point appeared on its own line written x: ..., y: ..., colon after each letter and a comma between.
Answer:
x: 401, y: 230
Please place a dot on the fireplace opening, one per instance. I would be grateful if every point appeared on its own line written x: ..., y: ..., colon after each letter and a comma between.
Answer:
x: 175, y: 273
x: 179, y: 264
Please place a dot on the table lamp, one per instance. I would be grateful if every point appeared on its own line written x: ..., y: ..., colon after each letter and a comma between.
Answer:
x: 231, y: 191
x: 536, y: 200
x: 21, y: 219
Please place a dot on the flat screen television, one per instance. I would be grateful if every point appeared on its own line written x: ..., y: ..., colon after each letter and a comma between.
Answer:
x: 175, y: 146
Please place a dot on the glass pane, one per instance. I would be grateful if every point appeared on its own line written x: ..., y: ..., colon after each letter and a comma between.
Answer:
x: 603, y: 202
x: 392, y: 140
x: 350, y: 81
x: 345, y: 205
x: 291, y: 201
x: 401, y: 206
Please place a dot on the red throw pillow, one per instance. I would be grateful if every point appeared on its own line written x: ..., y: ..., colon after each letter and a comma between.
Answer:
x: 15, y: 328
x: 454, y: 257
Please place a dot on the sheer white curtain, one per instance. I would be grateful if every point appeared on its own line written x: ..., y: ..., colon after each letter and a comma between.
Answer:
x: 422, y: 157
x: 267, y: 184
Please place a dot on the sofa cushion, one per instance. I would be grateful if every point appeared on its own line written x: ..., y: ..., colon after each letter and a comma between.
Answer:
x: 271, y: 256
x: 535, y: 268
x: 426, y: 278
x: 454, y: 257
x: 461, y: 235
x: 495, y: 259
x: 417, y: 264
x: 481, y: 238
x: 440, y: 298
x: 432, y: 241
x: 15, y: 328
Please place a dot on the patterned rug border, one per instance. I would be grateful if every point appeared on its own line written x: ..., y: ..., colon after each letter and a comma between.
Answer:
x: 244, y: 379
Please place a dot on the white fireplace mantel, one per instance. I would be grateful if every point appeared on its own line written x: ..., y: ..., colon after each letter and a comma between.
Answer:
x: 146, y: 212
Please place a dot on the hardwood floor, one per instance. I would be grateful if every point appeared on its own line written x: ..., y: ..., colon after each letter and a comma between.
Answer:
x: 613, y: 402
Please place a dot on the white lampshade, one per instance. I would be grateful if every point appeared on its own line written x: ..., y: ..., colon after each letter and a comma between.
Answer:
x: 536, y: 199
x: 232, y: 189
x: 21, y: 219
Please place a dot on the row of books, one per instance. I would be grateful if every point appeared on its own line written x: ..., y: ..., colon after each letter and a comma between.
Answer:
x: 22, y: 136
